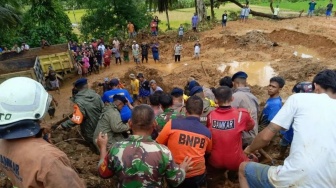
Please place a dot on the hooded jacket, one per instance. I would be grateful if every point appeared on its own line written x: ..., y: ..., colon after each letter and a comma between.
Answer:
x: 88, y: 105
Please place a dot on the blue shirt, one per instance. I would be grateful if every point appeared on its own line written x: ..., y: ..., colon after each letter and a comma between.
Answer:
x: 125, y: 112
x: 312, y: 5
x: 272, y: 107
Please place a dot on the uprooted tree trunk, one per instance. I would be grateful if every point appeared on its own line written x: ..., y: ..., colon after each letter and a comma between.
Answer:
x: 261, y: 14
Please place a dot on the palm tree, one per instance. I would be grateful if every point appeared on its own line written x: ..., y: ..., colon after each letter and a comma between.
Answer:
x: 10, y: 14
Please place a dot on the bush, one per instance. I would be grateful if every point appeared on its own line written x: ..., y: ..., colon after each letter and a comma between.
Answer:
x: 320, y: 11
x: 233, y: 15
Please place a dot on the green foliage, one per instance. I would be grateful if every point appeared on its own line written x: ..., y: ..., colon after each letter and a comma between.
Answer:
x: 320, y: 11
x: 109, y: 18
x: 183, y: 4
x: 46, y: 19
x: 233, y: 15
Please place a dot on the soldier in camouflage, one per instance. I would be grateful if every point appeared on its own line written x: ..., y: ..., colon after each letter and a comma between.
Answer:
x: 139, y: 161
x: 166, y: 102
x: 110, y: 121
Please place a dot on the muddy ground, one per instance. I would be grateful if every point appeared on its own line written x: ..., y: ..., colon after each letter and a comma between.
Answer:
x: 262, y: 48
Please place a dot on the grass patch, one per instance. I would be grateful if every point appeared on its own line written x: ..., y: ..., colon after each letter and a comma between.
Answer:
x: 297, y: 6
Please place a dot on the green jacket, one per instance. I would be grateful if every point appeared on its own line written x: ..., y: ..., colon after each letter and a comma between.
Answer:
x: 90, y: 105
x: 110, y: 122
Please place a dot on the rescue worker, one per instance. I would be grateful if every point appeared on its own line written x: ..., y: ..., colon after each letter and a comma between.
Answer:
x: 189, y: 137
x: 87, y: 109
x: 126, y: 111
x: 287, y: 136
x: 178, y: 101
x: 166, y: 102
x: 25, y: 158
x: 243, y: 98
x: 105, y: 85
x: 226, y: 125
x: 139, y: 150
x: 110, y: 121
x: 198, y: 91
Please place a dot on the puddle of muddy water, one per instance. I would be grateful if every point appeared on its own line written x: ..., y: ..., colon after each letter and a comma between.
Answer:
x: 259, y: 73
x: 304, y: 52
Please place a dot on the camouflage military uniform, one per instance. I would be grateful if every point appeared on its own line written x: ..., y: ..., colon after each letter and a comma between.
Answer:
x: 141, y: 162
x: 165, y: 116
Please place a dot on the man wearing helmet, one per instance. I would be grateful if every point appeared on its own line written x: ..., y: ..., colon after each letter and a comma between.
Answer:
x: 21, y: 144
x: 87, y: 109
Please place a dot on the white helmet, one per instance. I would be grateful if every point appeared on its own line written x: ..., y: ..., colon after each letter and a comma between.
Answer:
x: 22, y: 98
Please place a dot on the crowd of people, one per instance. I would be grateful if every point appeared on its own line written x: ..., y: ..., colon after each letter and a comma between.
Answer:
x: 148, y: 136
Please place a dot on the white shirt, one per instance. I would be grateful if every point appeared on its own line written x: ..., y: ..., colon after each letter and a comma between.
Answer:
x: 197, y: 49
x: 276, y: 11
x: 116, y: 43
x: 136, y: 46
x: 312, y: 158
x: 101, y: 47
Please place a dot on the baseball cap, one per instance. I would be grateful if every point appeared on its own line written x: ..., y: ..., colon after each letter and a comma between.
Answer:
x: 80, y: 82
x: 134, y: 41
x: 19, y: 129
x: 132, y: 76
x: 152, y: 82
x: 120, y: 98
x: 303, y: 87
x: 176, y: 92
x: 239, y: 74
x: 114, y: 82
x: 195, y: 90
x: 106, y: 79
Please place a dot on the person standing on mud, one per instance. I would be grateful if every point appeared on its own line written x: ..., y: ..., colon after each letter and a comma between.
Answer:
x: 243, y: 98
x: 144, y: 52
x: 135, y: 86
x: 197, y: 50
x: 25, y: 158
x: 246, y: 13
x: 311, y: 9
x: 311, y: 162
x: 224, y: 19
x: 155, y: 51
x: 145, y: 89
x: 139, y: 150
x: 87, y: 109
x: 177, y: 51
x: 194, y: 22
x: 180, y: 32
x: 189, y: 137
x: 110, y: 121
x: 329, y: 9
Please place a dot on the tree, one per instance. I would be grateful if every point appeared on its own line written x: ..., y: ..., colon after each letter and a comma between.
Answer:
x: 109, y: 18
x: 46, y: 19
x: 163, y: 6
x: 10, y: 13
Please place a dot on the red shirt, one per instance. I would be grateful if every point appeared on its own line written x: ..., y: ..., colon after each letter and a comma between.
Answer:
x: 153, y: 26
x: 226, y: 126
